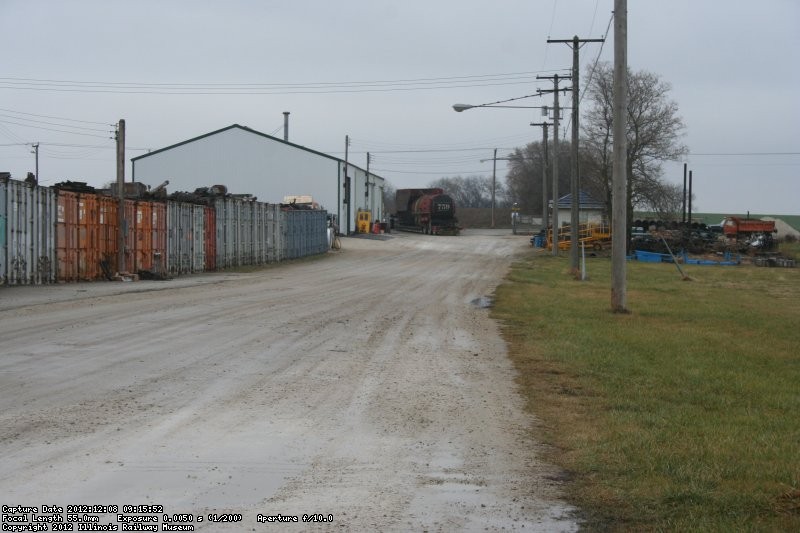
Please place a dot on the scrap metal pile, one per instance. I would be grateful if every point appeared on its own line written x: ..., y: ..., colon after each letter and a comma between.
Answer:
x: 733, y: 234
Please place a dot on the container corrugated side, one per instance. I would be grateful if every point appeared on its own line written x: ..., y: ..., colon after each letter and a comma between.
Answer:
x: 27, y: 233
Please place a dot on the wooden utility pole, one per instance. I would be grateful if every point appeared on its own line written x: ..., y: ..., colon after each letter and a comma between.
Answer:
x: 494, y: 174
x: 347, y: 197
x: 574, y: 182
x: 619, y: 211
x: 368, y: 193
x: 556, y: 112
x: 121, y: 196
x: 544, y: 126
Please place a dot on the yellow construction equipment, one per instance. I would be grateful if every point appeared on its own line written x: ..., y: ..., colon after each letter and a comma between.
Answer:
x: 593, y: 235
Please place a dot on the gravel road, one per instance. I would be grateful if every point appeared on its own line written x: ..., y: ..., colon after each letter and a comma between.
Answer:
x: 364, y: 386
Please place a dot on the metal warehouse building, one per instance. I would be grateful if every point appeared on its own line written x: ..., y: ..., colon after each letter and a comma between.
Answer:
x: 250, y: 162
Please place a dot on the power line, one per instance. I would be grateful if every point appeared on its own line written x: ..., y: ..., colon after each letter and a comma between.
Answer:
x: 475, y: 77
x: 265, y: 92
x: 393, y: 171
x: 272, y: 88
x: 52, y: 123
x: 52, y: 129
x: 56, y: 118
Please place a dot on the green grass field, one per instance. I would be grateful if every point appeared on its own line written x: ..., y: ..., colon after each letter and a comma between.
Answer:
x: 683, y: 415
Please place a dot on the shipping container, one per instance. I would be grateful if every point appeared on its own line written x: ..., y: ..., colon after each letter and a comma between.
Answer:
x: 304, y: 233
x: 146, y: 236
x: 86, y: 236
x: 179, y: 238
x: 27, y: 233
x: 48, y: 235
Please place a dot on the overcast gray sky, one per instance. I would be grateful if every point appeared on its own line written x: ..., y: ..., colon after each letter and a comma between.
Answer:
x: 387, y: 73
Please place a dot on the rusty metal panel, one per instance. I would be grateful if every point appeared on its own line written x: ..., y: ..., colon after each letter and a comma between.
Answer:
x: 105, y: 233
x: 27, y: 233
x: 86, y: 236
x: 210, y: 237
x: 67, y: 249
x: 159, y: 237
x: 146, y: 236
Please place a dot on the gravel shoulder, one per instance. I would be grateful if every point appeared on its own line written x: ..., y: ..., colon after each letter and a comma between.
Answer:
x: 365, y: 385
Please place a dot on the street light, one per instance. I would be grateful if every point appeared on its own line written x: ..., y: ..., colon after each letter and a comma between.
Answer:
x: 494, y: 173
x: 463, y: 107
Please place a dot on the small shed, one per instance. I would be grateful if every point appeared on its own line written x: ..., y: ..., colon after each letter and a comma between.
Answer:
x: 591, y: 210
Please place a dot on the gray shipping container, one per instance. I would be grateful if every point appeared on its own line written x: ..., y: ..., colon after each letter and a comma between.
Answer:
x: 186, y: 231
x: 27, y: 233
x: 304, y: 233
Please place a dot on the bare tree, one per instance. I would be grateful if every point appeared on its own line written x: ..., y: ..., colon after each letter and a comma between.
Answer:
x: 524, y: 178
x: 664, y: 199
x: 472, y: 191
x: 389, y: 193
x: 654, y: 130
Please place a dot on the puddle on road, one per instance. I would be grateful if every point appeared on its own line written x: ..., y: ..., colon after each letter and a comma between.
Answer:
x: 483, y: 302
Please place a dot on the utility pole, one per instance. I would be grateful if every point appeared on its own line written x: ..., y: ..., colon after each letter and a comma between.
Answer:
x: 347, y: 197
x: 121, y: 196
x: 574, y: 184
x: 495, y: 159
x: 367, y: 193
x: 689, y: 216
x: 35, y: 147
x: 544, y: 126
x: 619, y: 215
x: 556, y: 113
x: 683, y: 208
x: 494, y: 174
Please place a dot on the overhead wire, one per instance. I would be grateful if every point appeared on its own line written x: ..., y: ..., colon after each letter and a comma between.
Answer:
x: 482, y: 80
x: 86, y: 128
x: 55, y: 118
x: 52, y: 129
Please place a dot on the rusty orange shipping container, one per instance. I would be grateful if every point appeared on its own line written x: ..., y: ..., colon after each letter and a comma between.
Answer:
x: 85, y: 236
x: 146, y: 236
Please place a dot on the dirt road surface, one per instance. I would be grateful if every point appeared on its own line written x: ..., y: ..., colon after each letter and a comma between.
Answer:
x: 364, y: 386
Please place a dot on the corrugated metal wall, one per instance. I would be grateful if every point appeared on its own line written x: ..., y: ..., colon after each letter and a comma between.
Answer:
x: 27, y: 233
x: 250, y: 233
x: 86, y: 236
x: 304, y: 233
x: 48, y: 235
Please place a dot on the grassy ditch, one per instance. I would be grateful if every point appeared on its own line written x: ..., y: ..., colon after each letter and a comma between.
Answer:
x: 683, y: 415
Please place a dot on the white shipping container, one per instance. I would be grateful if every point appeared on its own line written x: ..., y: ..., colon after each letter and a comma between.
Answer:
x: 27, y: 233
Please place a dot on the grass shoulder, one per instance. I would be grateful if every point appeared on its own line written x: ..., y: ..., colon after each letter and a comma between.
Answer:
x: 681, y: 415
